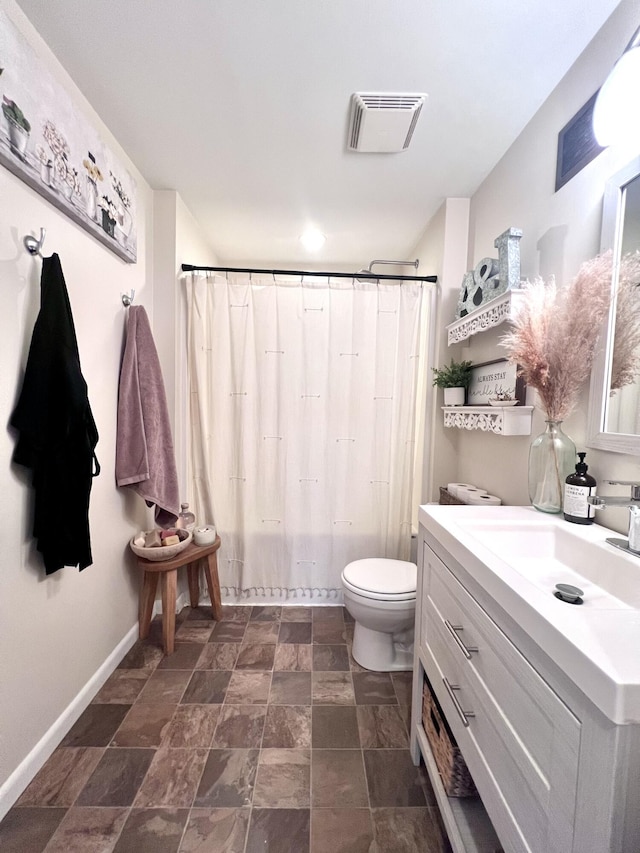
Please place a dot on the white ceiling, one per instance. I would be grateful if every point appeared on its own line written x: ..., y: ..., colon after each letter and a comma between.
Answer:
x: 242, y: 105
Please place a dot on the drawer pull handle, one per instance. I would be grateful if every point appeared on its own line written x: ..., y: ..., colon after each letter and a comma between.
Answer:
x: 462, y: 714
x: 453, y: 629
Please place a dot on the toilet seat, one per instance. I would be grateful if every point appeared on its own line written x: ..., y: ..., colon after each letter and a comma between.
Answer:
x: 381, y: 579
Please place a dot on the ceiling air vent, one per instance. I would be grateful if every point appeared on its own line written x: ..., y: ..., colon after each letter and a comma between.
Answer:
x: 383, y: 122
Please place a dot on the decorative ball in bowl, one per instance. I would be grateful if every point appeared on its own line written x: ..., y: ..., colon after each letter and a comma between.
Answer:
x: 161, y: 552
x: 503, y: 402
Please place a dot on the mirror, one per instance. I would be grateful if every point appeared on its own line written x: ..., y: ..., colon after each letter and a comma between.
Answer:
x: 614, y: 403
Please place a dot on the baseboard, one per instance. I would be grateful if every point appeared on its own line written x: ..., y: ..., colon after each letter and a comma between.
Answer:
x: 27, y: 769
x: 181, y: 601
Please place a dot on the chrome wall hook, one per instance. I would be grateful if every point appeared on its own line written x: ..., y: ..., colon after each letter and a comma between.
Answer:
x: 127, y: 298
x: 33, y: 246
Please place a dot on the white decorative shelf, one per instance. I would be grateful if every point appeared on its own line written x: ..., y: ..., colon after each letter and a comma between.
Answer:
x: 490, y: 314
x: 500, y: 420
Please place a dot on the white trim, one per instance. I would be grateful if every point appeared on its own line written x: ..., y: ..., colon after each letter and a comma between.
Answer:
x: 27, y: 769
x: 490, y: 314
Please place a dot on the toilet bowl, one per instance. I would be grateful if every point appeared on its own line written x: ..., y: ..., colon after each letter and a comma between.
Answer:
x: 380, y: 594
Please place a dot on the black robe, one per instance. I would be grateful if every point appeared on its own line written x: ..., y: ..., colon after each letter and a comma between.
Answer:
x: 57, y: 433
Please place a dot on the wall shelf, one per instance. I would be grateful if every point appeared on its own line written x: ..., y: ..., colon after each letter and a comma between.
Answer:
x: 490, y: 314
x: 500, y: 420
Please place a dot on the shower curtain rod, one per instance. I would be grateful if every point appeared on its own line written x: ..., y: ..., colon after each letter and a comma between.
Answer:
x: 430, y: 279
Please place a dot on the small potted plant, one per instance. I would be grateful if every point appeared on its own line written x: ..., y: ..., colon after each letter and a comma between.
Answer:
x: 19, y: 127
x: 454, y: 378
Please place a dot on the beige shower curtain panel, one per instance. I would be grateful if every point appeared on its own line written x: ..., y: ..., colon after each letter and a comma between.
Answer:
x: 302, y: 420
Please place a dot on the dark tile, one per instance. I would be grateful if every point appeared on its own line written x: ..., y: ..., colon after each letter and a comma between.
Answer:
x: 185, y: 656
x: 405, y: 830
x: 296, y: 614
x: 337, y: 779
x: 228, y: 632
x: 262, y: 632
x: 403, y: 685
x: 278, y: 831
x: 330, y: 658
x: 392, y: 779
x: 116, y: 779
x: 347, y: 616
x: 290, y: 688
x: 192, y: 727
x: 152, y: 831
x: 172, y: 778
x: 329, y: 633
x: 248, y: 688
x: 216, y: 831
x: 287, y: 727
x: 327, y: 614
x: 122, y: 687
x: 256, y: 656
x: 206, y: 687
x: 373, y: 688
x: 28, y: 830
x: 202, y: 613
x: 343, y: 831
x: 240, y: 726
x: 141, y: 656
x: 284, y: 779
x: 236, y: 613
x: 293, y: 658
x: 265, y: 614
x: 334, y: 727
x: 88, y: 830
x: 218, y: 656
x: 228, y: 778
x: 62, y: 777
x: 381, y: 727
x: 96, y: 725
x: 332, y: 688
x: 145, y: 725
x: 295, y: 632
x: 194, y: 632
x: 165, y: 687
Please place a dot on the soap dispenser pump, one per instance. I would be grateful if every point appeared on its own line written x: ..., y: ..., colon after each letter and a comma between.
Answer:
x: 579, y: 487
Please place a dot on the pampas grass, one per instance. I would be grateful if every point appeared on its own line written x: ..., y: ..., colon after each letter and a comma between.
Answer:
x: 555, y: 334
x: 625, y: 362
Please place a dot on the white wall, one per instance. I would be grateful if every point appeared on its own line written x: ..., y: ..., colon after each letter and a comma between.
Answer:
x: 56, y: 631
x: 561, y: 230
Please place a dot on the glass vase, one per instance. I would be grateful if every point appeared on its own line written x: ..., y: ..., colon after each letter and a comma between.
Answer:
x: 552, y: 458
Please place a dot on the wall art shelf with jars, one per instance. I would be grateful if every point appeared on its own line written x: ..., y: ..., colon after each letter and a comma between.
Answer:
x: 499, y: 420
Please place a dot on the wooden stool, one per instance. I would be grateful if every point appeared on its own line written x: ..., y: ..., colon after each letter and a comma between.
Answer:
x: 190, y: 557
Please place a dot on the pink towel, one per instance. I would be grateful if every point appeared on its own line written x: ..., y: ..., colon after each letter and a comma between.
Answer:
x: 144, y: 447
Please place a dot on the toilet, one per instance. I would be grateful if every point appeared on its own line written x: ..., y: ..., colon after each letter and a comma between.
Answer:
x: 380, y: 594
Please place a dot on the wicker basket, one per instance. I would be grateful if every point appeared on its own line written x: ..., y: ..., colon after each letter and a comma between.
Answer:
x: 447, y: 498
x: 453, y: 771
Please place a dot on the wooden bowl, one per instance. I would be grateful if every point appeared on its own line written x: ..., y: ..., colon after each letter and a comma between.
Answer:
x: 163, y: 552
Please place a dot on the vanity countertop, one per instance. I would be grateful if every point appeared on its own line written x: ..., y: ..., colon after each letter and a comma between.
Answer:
x: 517, y: 555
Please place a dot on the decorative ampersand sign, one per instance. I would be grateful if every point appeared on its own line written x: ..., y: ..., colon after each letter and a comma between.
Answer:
x: 492, y: 276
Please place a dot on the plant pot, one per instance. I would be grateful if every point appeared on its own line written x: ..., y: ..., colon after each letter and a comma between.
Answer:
x: 454, y: 396
x: 108, y: 224
x: 18, y: 138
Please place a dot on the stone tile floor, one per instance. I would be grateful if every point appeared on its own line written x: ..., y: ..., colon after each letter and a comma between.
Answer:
x: 260, y: 733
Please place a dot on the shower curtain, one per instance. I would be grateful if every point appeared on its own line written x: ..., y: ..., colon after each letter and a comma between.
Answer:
x: 302, y: 426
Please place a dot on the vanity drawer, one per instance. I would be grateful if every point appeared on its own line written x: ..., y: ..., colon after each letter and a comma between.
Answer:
x: 522, y: 730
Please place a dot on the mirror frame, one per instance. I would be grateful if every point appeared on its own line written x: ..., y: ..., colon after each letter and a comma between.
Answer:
x: 613, y: 209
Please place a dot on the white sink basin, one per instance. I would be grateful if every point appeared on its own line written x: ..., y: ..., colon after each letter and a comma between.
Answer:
x: 547, y: 553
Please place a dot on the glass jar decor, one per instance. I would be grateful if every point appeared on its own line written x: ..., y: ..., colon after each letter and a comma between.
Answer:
x: 552, y: 457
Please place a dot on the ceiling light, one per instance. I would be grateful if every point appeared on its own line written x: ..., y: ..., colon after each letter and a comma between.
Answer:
x: 616, y: 117
x: 312, y: 239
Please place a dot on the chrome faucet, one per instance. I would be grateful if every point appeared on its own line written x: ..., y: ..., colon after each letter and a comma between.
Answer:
x: 633, y: 503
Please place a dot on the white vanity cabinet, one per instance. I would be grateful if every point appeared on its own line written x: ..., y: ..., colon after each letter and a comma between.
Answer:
x: 553, y: 774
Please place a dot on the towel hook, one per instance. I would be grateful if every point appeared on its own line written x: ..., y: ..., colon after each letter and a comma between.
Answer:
x: 127, y: 298
x: 32, y: 245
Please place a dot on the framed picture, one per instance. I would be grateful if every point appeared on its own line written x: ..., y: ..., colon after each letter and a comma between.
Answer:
x: 492, y: 378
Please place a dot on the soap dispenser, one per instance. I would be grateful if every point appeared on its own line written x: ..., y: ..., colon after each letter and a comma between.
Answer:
x: 579, y: 487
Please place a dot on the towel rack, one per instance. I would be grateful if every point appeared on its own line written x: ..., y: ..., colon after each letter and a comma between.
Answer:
x: 127, y: 298
x: 32, y: 245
